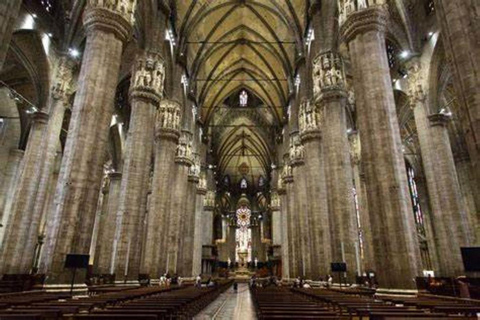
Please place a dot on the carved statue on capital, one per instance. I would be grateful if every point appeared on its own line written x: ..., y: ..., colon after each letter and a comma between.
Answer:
x: 275, y: 201
x: 348, y: 7
x: 62, y: 82
x: 415, y: 83
x: 194, y: 170
x: 184, y: 150
x: 168, y: 118
x: 125, y: 8
x: 328, y: 73
x: 149, y: 74
x: 309, y: 117
x: 355, y: 148
x: 209, y: 200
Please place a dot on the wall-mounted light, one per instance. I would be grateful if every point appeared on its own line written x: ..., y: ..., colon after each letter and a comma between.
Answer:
x: 405, y: 54
x: 73, y: 52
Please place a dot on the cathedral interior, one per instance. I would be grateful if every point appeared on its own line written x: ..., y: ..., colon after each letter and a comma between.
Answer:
x: 239, y: 139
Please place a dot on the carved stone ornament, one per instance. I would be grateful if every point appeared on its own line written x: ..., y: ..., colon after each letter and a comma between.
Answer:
x: 275, y: 201
x: 195, y: 169
x: 62, y: 82
x: 328, y: 75
x: 287, y: 174
x: 116, y: 16
x: 296, y: 152
x: 416, y: 94
x: 148, y: 77
x: 209, y: 200
x: 348, y: 7
x: 184, y: 154
x: 309, y: 120
x: 168, y: 119
x: 355, y: 148
x: 373, y: 17
x: 202, y: 184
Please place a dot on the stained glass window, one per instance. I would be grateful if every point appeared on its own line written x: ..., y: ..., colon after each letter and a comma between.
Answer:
x: 417, y: 210
x: 243, y: 235
x: 243, y: 98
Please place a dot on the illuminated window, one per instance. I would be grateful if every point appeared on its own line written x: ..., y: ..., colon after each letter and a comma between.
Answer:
x: 417, y: 210
x: 243, y: 235
x: 243, y: 98
x: 48, y: 5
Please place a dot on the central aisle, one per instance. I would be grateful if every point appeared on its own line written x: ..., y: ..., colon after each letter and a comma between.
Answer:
x: 230, y: 305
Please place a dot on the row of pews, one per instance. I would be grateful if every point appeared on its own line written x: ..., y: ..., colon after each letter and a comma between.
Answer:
x: 147, y: 303
x: 355, y: 304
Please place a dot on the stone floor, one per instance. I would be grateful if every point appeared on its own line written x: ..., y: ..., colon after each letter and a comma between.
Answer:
x: 230, y: 305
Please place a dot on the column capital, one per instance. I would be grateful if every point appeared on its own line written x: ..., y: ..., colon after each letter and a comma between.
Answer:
x: 287, y: 174
x: 194, y: 170
x: 275, y: 201
x: 328, y: 76
x: 296, y: 151
x: 184, y: 154
x: 357, y: 22
x: 148, y: 77
x: 309, y: 120
x: 439, y: 119
x: 40, y: 117
x: 62, y: 82
x: 168, y: 120
x: 209, y: 200
x: 113, y: 16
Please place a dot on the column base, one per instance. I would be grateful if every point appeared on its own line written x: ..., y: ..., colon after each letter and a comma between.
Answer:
x: 79, y: 289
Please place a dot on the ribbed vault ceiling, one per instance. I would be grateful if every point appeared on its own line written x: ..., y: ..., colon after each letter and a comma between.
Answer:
x: 231, y: 45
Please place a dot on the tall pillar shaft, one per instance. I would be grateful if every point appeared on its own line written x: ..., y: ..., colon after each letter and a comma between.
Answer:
x: 397, y: 256
x: 20, y: 224
x: 189, y: 225
x: 9, y: 186
x: 284, y: 229
x: 459, y: 23
x: 106, y: 226
x: 200, y: 225
x: 145, y: 94
x: 167, y: 133
x: 330, y: 94
x: 309, y: 122
x: 9, y: 11
x: 294, y: 249
x: 108, y: 26
x: 59, y: 95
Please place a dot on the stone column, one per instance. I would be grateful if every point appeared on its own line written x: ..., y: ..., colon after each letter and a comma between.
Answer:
x: 183, y: 161
x: 108, y: 26
x: 284, y: 230
x: 11, y: 177
x: 276, y: 219
x: 166, y: 138
x: 188, y: 225
x: 294, y: 249
x: 8, y: 15
x: 396, y: 252
x: 146, y: 90
x: 301, y: 213
x: 460, y: 33
x: 365, y: 231
x: 102, y: 210
x: 200, y: 225
x: 329, y: 92
x: 106, y: 232
x: 450, y: 222
x: 310, y: 124
x: 59, y: 101
x: 23, y: 201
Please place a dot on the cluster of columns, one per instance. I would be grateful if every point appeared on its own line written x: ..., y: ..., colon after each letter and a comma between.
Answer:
x: 113, y: 221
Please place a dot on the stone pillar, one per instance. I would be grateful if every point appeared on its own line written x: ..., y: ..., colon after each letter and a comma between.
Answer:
x: 284, y: 229
x: 188, y: 225
x: 200, y: 226
x: 166, y: 138
x: 329, y: 92
x: 106, y: 232
x: 9, y: 184
x: 102, y: 210
x: 450, y: 222
x: 208, y: 207
x: 365, y: 232
x: 310, y: 123
x: 396, y: 252
x: 146, y: 90
x: 460, y: 33
x: 8, y: 15
x: 276, y: 219
x: 301, y: 213
x: 19, y: 225
x: 59, y: 101
x: 108, y: 26
x: 467, y: 185
x: 183, y: 161
x: 294, y: 249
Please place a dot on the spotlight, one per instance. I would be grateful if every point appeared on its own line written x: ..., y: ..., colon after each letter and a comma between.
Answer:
x: 74, y: 52
x: 405, y: 54
x: 430, y: 34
